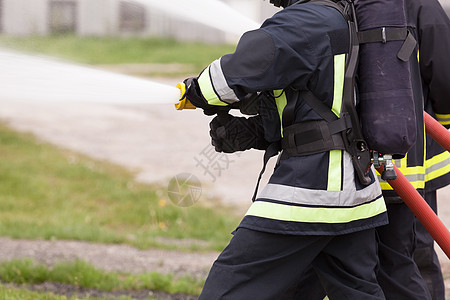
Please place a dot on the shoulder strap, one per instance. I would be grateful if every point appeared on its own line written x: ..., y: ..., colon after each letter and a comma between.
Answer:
x: 270, y: 152
x: 341, y: 6
x: 319, y: 107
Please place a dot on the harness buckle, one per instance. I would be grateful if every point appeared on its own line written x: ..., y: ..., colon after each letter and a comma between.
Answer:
x: 383, y: 35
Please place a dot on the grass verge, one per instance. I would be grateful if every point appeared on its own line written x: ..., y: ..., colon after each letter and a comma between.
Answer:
x: 84, y: 275
x: 49, y: 193
x: 12, y: 293
x: 106, y: 50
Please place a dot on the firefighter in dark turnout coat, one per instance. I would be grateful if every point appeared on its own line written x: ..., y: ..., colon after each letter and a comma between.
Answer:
x: 427, y: 167
x: 314, y: 210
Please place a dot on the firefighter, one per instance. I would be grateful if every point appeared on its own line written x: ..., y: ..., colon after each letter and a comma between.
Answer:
x: 427, y: 168
x: 319, y: 208
x: 406, y: 251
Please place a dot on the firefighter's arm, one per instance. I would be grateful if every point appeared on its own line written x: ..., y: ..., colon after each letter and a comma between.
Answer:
x: 434, y: 30
x: 192, y: 97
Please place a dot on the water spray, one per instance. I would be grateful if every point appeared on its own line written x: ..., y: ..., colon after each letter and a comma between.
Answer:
x: 42, y: 79
x: 213, y: 13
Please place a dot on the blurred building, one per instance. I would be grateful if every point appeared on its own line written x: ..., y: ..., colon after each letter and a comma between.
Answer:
x: 115, y: 17
x: 121, y: 17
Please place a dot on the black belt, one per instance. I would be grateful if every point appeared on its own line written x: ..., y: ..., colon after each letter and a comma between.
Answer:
x: 312, y: 137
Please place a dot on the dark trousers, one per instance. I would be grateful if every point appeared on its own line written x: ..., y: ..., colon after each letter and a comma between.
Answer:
x: 260, y: 265
x: 409, y: 267
x: 426, y: 258
x: 399, y: 276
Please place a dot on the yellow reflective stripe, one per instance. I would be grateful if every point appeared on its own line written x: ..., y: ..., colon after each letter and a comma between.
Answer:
x: 283, y: 212
x: 443, y: 116
x: 281, y: 101
x: 334, y: 171
x: 444, y: 119
x: 402, y: 166
x: 417, y: 171
x: 437, y: 173
x: 385, y: 186
x: 420, y: 184
x: 207, y: 89
x: 444, y: 122
x: 339, y: 71
x: 335, y: 163
x: 437, y: 159
x: 413, y: 170
x: 415, y: 175
x: 433, y: 171
x: 403, y: 162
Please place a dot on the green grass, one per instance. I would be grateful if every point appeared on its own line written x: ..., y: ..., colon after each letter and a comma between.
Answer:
x: 84, y: 275
x: 104, y: 50
x: 11, y: 293
x: 49, y: 193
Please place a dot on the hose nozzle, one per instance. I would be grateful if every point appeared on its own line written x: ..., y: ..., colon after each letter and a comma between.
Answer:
x: 184, y: 102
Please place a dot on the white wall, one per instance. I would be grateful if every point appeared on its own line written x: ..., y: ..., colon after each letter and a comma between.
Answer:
x: 24, y: 17
x: 101, y: 17
x: 98, y: 17
x: 161, y: 24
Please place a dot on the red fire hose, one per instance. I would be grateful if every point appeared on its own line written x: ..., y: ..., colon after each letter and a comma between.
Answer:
x: 438, y: 132
x: 421, y: 210
x: 414, y: 200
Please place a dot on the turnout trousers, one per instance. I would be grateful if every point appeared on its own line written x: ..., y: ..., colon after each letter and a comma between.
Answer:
x: 261, y: 265
x: 425, y: 256
x: 399, y: 275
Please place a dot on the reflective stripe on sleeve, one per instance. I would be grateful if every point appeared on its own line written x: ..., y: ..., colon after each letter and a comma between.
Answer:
x: 437, y: 166
x: 443, y: 119
x: 225, y: 93
x: 207, y: 88
x: 214, y: 87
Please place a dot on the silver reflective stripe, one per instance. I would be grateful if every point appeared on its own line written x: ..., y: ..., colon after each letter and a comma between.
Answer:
x: 349, y: 196
x: 220, y: 84
x: 207, y: 89
x: 437, y: 166
x: 411, y: 177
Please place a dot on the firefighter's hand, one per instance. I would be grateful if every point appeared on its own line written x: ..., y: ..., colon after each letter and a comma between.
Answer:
x: 195, y: 97
x: 237, y: 134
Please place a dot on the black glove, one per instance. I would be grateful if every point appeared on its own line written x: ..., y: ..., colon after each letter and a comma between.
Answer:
x: 237, y: 134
